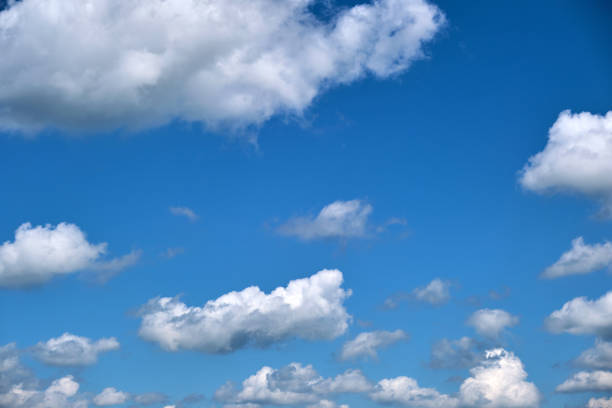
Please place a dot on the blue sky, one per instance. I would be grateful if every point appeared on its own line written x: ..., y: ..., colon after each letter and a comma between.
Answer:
x: 391, y: 147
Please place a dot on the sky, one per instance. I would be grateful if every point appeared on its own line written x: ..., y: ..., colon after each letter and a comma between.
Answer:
x: 305, y: 203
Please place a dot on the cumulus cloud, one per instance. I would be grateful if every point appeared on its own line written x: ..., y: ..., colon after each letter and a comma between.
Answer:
x: 340, y: 219
x: 499, y: 382
x: 293, y: 384
x: 137, y: 64
x: 599, y: 356
x: 600, y: 403
x: 455, y: 354
x: 110, y: 396
x: 407, y: 392
x: 584, y: 381
x: 491, y: 322
x: 581, y: 259
x: 41, y: 253
x: 184, y: 212
x: 577, y: 157
x: 58, y: 395
x: 583, y: 316
x: 310, y: 308
x: 366, y: 344
x: 71, y: 350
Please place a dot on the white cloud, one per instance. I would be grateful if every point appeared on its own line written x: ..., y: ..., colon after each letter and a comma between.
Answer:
x: 499, y: 382
x: 600, y: 403
x: 583, y: 316
x: 71, y: 350
x: 41, y: 253
x: 291, y: 385
x: 58, y: 395
x: 407, y: 392
x: 138, y: 63
x: 581, y: 259
x: 577, y: 157
x: 340, y: 219
x: 491, y: 322
x: 184, y: 212
x: 310, y: 308
x: 366, y: 344
x: 435, y: 293
x: 110, y: 396
x: 599, y: 356
x: 584, y: 381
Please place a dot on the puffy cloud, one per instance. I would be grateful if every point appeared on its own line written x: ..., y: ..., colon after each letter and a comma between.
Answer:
x: 499, y: 382
x: 41, y: 253
x: 491, y: 322
x: 584, y: 381
x: 599, y: 356
x: 293, y: 384
x: 460, y: 353
x: 150, y: 398
x: 581, y: 259
x: 310, y: 308
x: 583, y: 316
x: 366, y: 344
x: 71, y: 350
x: 110, y: 396
x: 340, y: 219
x: 135, y: 64
x: 577, y: 157
x: 407, y: 392
x: 600, y: 403
x: 184, y: 212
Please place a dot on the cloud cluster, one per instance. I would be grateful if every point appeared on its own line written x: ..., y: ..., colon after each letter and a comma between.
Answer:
x: 41, y: 253
x: 577, y: 157
x: 340, y: 219
x: 310, y: 308
x: 581, y: 259
x: 293, y: 384
x: 491, y: 322
x: 366, y: 344
x: 71, y: 350
x: 137, y: 64
x: 583, y: 316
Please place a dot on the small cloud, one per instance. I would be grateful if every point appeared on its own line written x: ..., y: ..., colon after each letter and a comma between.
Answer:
x: 436, y: 292
x: 184, y: 212
x: 170, y: 253
x: 366, y: 344
x: 71, y: 350
x: 490, y: 323
x: 581, y: 259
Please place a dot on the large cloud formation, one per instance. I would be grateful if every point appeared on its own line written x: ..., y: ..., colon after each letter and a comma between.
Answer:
x: 577, y: 158
x: 41, y: 253
x: 310, y: 308
x: 71, y: 350
x: 109, y: 64
x: 293, y: 385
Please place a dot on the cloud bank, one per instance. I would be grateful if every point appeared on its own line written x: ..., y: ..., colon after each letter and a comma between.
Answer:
x: 38, y: 254
x: 310, y: 308
x: 137, y: 64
